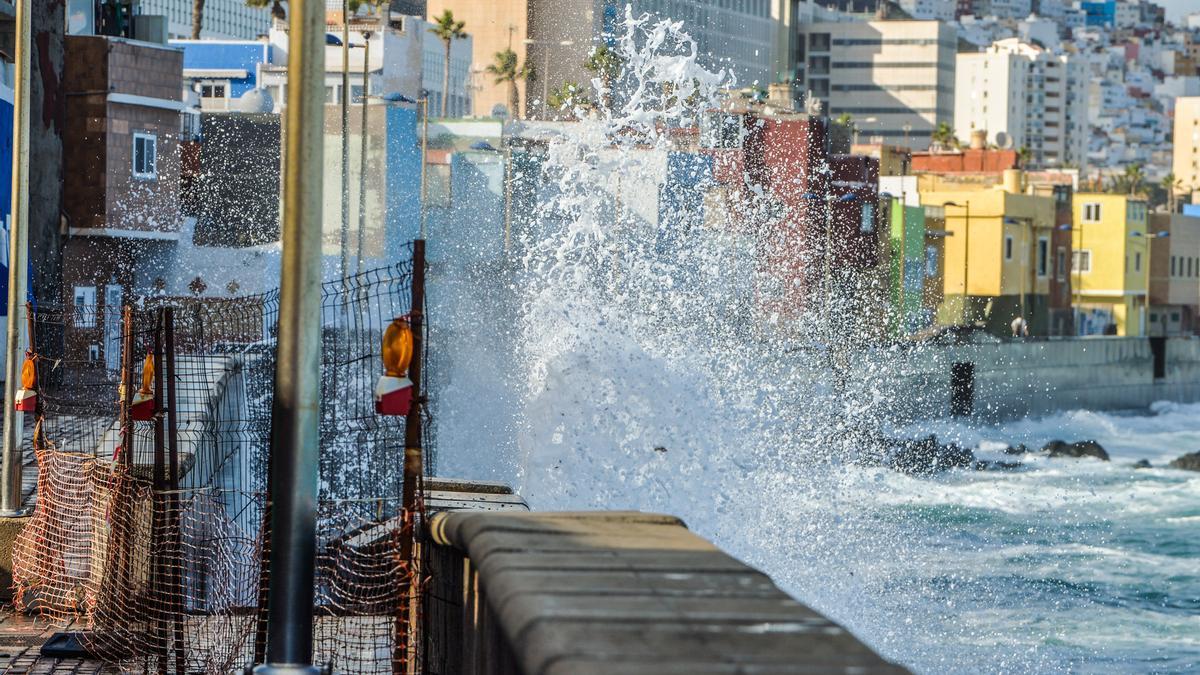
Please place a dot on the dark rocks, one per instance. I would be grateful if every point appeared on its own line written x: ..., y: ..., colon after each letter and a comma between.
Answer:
x: 924, y: 456
x: 1018, y: 449
x: 1142, y: 464
x: 988, y: 465
x: 1088, y: 448
x: 1188, y: 462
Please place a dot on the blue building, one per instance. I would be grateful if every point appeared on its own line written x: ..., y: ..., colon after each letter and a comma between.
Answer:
x: 1102, y: 13
x: 222, y: 70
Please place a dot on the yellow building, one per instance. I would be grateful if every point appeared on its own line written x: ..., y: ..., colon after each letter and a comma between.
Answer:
x: 1111, y: 263
x: 998, y: 250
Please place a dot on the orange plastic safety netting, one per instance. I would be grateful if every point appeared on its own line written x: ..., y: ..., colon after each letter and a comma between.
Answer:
x: 149, y: 535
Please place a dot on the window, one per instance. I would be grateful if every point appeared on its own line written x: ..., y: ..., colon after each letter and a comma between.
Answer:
x: 1060, y: 264
x: 1008, y: 246
x: 1043, y: 256
x: 868, y: 218
x: 931, y: 261
x: 1137, y: 262
x: 85, y: 306
x: 212, y: 90
x: 1172, y: 265
x: 1082, y: 260
x: 1175, y: 317
x: 356, y: 93
x: 145, y: 156
x: 1091, y: 213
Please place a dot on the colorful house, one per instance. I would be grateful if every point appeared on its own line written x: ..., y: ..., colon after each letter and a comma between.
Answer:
x: 1111, y: 264
x: 906, y: 268
x: 999, y: 264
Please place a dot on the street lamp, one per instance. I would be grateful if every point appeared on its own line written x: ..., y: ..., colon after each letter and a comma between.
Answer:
x: 1023, y: 220
x: 1161, y: 234
x: 966, y: 206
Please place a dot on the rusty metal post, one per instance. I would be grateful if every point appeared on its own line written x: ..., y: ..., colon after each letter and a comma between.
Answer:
x: 413, y: 462
x: 162, y: 564
x: 126, y: 418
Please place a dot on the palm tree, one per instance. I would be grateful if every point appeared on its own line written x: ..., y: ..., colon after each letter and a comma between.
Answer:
x: 447, y: 30
x: 1173, y: 186
x: 277, y: 10
x: 1134, y: 177
x: 1024, y: 155
x: 197, y: 18
x: 943, y: 136
x: 506, y: 71
x: 607, y: 64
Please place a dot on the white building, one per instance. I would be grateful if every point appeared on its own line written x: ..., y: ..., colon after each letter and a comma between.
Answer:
x: 895, y: 78
x: 223, y: 19
x: 939, y: 10
x: 738, y: 35
x: 1034, y: 96
x: 405, y: 58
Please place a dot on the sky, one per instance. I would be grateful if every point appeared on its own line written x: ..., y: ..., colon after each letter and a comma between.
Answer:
x: 1177, y: 8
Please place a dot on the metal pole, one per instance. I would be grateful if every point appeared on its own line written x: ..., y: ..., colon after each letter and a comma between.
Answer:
x: 828, y: 254
x: 18, y: 271
x: 413, y: 453
x: 345, y: 231
x: 507, y: 198
x: 423, y: 104
x: 966, y: 257
x: 1079, y: 284
x: 546, y: 82
x: 295, y: 408
x: 362, y: 167
x: 903, y: 260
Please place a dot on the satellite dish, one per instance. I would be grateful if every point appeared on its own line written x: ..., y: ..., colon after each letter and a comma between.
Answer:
x: 254, y: 101
x: 1004, y: 140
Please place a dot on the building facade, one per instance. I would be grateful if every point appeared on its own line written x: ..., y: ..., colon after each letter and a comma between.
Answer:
x: 1111, y: 264
x: 121, y: 190
x: 1174, y: 275
x: 894, y: 78
x: 1186, y: 145
x: 1025, y: 96
x: 223, y: 19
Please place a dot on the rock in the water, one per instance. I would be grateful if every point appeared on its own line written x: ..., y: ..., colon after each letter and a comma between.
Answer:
x: 1188, y: 462
x: 1142, y: 464
x: 1088, y: 448
x: 926, y: 456
x: 1018, y: 449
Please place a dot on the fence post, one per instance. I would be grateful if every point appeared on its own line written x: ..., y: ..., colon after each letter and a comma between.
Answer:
x: 161, y: 571
x: 170, y: 374
x: 126, y: 418
x: 413, y: 460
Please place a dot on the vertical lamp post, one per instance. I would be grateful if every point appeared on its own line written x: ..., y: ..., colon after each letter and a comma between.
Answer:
x: 546, y: 45
x: 345, y: 229
x: 966, y: 206
x: 295, y: 407
x: 1023, y: 220
x: 362, y: 165
x: 18, y: 269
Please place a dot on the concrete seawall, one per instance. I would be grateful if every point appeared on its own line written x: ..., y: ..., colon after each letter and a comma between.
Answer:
x: 1015, y: 379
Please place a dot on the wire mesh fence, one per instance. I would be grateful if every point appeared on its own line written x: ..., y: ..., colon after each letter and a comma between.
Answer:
x: 151, y: 525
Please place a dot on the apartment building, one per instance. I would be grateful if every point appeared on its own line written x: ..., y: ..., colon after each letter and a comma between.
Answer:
x: 894, y: 78
x: 735, y: 35
x: 1186, y: 146
x: 1035, y: 98
x: 1111, y: 264
x: 1174, y: 274
x: 223, y: 19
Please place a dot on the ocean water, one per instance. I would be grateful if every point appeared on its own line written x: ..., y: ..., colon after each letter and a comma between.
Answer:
x: 1062, y: 566
x: 613, y: 365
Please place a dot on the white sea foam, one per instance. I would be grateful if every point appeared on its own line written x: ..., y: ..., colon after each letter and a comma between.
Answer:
x: 612, y: 371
